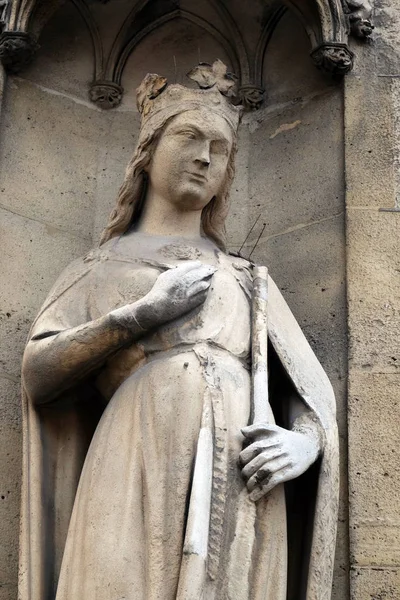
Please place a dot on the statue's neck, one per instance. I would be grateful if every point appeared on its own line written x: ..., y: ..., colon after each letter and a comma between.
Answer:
x: 162, y: 217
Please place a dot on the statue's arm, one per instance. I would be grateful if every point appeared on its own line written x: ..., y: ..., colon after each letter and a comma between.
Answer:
x: 56, y: 360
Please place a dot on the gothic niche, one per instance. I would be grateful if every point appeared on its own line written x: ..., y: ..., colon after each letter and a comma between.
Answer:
x: 328, y: 25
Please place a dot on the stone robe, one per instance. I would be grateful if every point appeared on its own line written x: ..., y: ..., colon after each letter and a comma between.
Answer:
x: 109, y: 466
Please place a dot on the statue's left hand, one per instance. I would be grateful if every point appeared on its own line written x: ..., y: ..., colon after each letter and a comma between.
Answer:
x: 276, y: 455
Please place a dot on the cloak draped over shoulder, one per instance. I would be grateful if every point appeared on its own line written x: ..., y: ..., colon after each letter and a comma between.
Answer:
x: 107, y: 467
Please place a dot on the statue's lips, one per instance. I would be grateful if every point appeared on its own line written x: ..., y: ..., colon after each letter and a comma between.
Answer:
x: 197, y: 176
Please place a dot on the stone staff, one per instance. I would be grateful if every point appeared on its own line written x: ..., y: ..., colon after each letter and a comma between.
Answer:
x: 260, y: 408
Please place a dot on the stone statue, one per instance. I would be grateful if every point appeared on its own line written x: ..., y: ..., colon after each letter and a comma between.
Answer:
x: 139, y: 359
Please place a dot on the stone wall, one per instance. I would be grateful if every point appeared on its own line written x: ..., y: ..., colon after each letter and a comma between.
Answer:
x: 373, y: 283
x: 62, y: 160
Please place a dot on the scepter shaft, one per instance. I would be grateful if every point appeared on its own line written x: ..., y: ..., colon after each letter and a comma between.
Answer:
x: 261, y: 411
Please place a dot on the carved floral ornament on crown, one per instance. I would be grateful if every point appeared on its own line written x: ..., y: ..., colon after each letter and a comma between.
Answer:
x: 207, y: 76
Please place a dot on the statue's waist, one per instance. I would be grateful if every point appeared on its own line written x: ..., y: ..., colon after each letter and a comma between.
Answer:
x: 207, y: 352
x: 198, y: 357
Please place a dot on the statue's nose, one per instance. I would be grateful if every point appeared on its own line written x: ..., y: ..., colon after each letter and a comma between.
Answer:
x: 204, y: 154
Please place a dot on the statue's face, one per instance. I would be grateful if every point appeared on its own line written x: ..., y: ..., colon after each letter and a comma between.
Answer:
x: 189, y: 164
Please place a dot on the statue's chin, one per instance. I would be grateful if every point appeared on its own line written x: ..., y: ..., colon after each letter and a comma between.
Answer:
x: 192, y: 196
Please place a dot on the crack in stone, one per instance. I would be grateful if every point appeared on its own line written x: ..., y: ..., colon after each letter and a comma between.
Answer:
x: 47, y: 90
x: 46, y: 223
x: 294, y: 228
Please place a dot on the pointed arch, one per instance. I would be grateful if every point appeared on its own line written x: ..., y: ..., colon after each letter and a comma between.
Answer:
x: 170, y: 16
x: 275, y: 14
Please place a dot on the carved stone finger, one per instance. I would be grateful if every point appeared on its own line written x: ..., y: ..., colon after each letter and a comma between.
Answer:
x: 202, y: 273
x: 199, y: 286
x: 264, y: 474
x: 257, y: 462
x: 262, y: 490
x: 260, y: 429
x: 255, y: 448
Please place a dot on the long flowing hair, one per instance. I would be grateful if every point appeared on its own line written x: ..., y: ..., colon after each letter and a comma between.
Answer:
x: 132, y: 194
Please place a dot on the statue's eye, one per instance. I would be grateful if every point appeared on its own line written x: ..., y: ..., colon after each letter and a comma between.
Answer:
x: 188, y: 134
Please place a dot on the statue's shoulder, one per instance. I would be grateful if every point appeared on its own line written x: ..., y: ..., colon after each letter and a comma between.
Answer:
x: 67, y: 280
x: 100, y: 254
x: 76, y: 272
x: 85, y: 264
x: 238, y: 262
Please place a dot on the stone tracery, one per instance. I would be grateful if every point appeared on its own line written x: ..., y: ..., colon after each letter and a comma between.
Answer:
x: 327, y: 23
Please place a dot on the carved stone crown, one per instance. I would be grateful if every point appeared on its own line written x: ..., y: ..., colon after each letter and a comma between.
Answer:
x: 157, y: 101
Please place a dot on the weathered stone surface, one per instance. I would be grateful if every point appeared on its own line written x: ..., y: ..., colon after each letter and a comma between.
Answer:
x: 373, y: 268
x: 369, y: 123
x: 112, y: 159
x: 32, y: 257
x: 64, y: 61
x: 373, y: 287
x: 10, y: 477
x: 184, y: 41
x: 374, y: 411
x: 292, y: 54
x: 315, y: 290
x: 45, y: 174
x: 387, y: 20
x: 376, y: 583
x: 295, y: 163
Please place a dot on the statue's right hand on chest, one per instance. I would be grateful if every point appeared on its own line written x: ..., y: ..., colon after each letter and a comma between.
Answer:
x: 175, y: 292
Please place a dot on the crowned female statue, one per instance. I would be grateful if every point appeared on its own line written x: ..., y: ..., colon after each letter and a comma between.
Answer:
x: 139, y: 359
